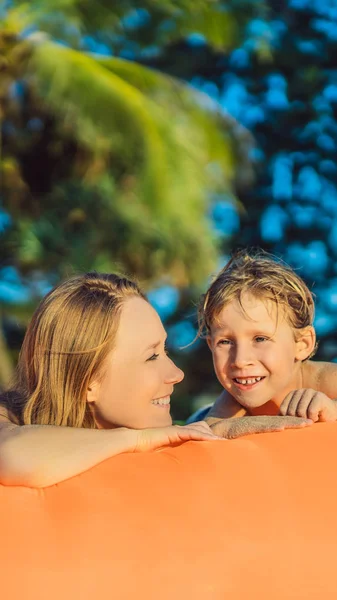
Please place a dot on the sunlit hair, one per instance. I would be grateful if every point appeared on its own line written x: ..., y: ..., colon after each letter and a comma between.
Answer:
x: 65, y: 347
x: 261, y: 275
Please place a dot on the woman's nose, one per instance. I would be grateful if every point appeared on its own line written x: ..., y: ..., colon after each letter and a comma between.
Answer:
x: 174, y: 375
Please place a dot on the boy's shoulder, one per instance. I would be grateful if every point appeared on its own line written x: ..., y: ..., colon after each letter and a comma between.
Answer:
x: 321, y: 376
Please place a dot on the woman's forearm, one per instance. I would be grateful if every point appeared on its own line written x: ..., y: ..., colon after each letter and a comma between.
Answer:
x: 42, y: 455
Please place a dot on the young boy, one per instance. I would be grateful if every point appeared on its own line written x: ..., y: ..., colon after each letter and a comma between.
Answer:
x: 258, y: 319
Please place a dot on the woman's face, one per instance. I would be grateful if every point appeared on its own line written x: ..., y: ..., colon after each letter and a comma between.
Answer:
x: 138, y: 377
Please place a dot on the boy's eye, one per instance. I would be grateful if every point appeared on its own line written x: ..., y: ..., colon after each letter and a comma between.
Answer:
x: 224, y: 342
x: 261, y: 338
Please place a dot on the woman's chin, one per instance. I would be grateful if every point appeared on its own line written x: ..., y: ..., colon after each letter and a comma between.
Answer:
x: 161, y: 418
x: 161, y: 421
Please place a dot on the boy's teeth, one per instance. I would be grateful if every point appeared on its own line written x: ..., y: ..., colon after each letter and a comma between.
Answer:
x: 162, y: 401
x: 248, y: 381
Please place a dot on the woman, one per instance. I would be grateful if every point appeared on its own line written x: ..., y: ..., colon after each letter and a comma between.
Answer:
x: 93, y: 380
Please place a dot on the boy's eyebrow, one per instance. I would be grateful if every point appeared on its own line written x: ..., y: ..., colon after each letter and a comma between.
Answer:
x: 257, y: 329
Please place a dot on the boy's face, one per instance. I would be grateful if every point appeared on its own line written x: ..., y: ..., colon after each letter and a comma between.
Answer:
x: 255, y: 353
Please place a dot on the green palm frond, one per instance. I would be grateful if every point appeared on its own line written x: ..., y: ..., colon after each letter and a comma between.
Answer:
x: 219, y: 21
x: 108, y: 113
x: 171, y: 148
x: 218, y: 128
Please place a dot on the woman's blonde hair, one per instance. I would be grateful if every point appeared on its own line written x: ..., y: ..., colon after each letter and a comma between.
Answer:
x: 261, y: 275
x: 65, y: 346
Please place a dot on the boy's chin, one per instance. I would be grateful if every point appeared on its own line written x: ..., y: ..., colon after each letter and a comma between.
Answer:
x: 264, y: 407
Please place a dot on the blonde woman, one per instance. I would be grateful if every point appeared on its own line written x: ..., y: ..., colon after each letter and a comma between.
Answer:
x: 94, y: 380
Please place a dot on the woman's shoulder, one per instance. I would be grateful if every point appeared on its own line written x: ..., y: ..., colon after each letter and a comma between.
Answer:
x: 7, y: 425
x: 7, y: 415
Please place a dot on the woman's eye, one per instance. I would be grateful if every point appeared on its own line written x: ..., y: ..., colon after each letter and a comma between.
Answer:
x: 156, y: 355
x: 153, y: 357
x: 261, y: 338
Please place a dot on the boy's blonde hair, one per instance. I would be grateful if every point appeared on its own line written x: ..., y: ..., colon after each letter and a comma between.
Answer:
x: 261, y: 275
x: 65, y: 347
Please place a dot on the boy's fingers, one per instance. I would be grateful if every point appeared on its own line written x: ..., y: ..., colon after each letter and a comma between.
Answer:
x: 293, y: 404
x: 304, y: 403
x: 285, y: 404
x: 314, y: 408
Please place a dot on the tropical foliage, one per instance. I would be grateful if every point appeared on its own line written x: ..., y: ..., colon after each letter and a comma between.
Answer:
x: 141, y: 145
x: 105, y: 163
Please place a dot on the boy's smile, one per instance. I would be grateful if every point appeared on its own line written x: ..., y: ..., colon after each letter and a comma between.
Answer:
x: 256, y: 356
x: 247, y: 383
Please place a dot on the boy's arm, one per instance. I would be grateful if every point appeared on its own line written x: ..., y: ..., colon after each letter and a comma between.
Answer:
x: 225, y: 407
x: 327, y: 379
x: 317, y: 400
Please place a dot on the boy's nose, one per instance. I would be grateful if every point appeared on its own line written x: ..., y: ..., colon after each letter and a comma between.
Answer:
x: 241, y: 357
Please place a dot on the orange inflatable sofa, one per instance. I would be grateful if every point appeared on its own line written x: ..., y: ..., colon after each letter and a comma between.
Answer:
x: 254, y: 518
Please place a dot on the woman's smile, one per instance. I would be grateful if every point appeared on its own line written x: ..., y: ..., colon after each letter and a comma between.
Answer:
x: 162, y: 402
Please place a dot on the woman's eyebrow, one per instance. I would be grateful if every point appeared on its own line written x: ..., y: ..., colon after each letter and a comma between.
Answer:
x: 152, y: 346
x: 155, y: 345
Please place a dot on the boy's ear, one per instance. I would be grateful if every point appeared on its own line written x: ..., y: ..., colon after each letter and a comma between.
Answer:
x: 305, y: 344
x: 209, y: 343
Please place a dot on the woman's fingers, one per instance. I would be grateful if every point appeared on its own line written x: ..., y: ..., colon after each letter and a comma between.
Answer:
x: 197, y: 431
x: 198, y: 425
x: 150, y: 439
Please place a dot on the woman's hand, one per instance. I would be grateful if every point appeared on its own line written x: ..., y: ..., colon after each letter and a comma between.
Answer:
x: 149, y: 439
x: 311, y: 404
x: 237, y: 427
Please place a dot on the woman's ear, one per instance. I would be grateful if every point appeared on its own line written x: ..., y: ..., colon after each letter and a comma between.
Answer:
x: 305, y: 343
x: 93, y: 391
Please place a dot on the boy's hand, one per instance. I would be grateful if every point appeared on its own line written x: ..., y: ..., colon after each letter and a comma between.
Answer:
x: 311, y: 404
x: 237, y: 427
